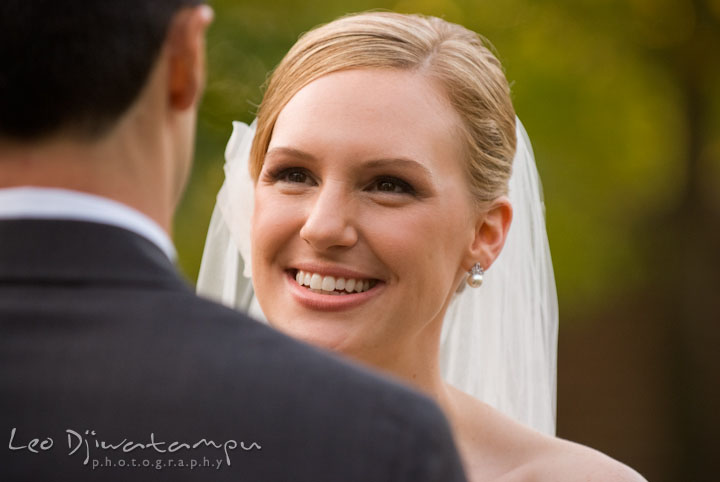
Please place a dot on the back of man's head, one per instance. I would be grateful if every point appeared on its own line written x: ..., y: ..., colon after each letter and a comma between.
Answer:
x: 75, y: 66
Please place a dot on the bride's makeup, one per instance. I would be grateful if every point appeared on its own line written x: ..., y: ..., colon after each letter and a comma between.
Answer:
x: 316, y: 289
x: 362, y: 215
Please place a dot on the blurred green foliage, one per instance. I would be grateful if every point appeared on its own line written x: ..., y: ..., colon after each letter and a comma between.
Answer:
x: 601, y: 86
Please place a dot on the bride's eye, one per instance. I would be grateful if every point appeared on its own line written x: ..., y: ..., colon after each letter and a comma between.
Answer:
x: 293, y: 175
x: 391, y: 185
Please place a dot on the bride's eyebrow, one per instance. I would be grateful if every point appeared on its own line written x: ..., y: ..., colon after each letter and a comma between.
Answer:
x: 401, y: 162
x: 290, y: 152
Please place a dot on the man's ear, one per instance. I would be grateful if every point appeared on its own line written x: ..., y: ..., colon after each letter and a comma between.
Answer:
x: 186, y: 55
x: 491, y: 230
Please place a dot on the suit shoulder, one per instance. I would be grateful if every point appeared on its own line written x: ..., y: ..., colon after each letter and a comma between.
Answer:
x: 382, y: 407
x: 221, y: 332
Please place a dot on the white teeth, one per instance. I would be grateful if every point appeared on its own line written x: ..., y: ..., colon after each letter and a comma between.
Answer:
x: 314, y: 281
x: 328, y: 283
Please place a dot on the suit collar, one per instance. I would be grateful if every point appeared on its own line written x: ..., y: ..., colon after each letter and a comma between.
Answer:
x: 80, y: 252
x: 32, y: 202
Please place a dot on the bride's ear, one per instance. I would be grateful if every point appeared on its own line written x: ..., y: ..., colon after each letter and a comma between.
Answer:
x: 491, y: 228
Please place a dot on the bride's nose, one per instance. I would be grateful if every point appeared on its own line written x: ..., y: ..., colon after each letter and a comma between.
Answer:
x: 328, y: 223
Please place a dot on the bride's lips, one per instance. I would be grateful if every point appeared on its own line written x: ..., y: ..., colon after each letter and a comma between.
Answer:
x: 319, y: 301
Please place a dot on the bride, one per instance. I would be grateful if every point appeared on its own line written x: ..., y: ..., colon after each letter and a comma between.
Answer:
x: 379, y: 181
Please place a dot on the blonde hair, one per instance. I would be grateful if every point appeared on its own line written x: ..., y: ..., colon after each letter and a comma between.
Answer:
x: 471, y: 76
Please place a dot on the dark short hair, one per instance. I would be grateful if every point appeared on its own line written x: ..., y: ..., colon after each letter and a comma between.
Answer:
x: 76, y: 65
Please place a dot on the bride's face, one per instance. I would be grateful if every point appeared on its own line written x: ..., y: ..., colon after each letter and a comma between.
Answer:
x: 363, y: 197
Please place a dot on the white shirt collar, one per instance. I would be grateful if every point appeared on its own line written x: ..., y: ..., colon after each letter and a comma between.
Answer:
x: 53, y: 203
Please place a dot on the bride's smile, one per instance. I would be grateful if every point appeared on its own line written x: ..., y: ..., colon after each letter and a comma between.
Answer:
x: 336, y: 283
x: 331, y: 288
x: 363, y: 224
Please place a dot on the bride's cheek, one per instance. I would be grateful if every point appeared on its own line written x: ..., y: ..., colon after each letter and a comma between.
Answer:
x: 276, y: 221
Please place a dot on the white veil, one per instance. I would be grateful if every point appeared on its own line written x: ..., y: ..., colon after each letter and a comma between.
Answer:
x: 499, y: 342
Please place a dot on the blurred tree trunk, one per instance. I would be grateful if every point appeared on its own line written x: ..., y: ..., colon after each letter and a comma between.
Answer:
x: 686, y: 261
x: 665, y: 368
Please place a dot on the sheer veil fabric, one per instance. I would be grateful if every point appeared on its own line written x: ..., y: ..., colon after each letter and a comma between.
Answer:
x: 499, y: 342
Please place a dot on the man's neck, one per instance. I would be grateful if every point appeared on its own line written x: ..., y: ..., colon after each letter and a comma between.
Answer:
x: 109, y: 168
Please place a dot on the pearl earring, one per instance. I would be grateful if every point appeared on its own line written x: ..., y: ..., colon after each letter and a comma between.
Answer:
x: 475, y: 276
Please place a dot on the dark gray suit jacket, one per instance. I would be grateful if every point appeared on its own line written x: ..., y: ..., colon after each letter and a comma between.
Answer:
x: 112, y: 369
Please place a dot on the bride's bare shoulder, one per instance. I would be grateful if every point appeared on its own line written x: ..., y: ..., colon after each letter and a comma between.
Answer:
x: 495, y: 447
x: 562, y: 460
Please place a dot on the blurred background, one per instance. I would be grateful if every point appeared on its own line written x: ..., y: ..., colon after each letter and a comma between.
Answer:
x: 621, y: 100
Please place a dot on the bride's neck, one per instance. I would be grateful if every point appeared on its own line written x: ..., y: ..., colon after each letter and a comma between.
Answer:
x: 417, y: 363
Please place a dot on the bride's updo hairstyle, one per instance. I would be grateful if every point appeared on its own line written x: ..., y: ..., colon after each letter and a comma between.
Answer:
x: 453, y: 56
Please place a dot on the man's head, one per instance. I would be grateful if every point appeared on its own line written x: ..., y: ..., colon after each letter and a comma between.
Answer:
x: 76, y: 65
x: 109, y: 76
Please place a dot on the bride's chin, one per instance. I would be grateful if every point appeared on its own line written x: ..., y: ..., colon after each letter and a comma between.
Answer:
x: 323, y: 336
x: 340, y: 343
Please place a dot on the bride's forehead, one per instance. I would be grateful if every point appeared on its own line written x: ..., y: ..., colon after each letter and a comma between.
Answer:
x: 370, y: 94
x: 362, y: 107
